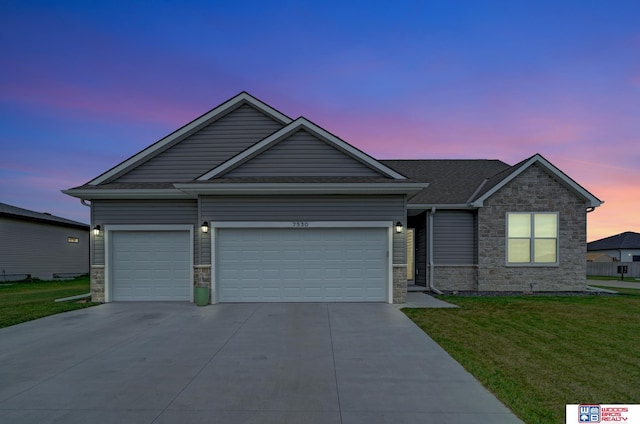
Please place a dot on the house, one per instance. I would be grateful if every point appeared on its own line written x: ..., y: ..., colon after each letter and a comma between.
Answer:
x: 258, y: 206
x: 623, y: 247
x: 40, y: 245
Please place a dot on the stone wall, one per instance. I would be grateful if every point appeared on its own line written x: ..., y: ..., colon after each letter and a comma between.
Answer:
x: 97, y: 283
x: 532, y: 191
x: 399, y: 283
x: 455, y: 277
x: 202, y: 277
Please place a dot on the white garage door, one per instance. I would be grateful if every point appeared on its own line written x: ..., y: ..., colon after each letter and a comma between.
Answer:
x: 302, y: 265
x: 150, y: 265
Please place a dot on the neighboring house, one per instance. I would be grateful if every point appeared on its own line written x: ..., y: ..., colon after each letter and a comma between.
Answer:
x: 40, y: 245
x: 624, y: 247
x: 261, y: 207
x: 599, y: 257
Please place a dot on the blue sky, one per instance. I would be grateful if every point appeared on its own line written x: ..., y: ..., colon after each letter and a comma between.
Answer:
x: 86, y: 84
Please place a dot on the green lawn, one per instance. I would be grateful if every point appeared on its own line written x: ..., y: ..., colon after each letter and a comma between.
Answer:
x: 537, y: 354
x: 20, y: 302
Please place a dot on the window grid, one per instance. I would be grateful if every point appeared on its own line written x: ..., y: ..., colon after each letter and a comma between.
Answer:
x: 532, y: 238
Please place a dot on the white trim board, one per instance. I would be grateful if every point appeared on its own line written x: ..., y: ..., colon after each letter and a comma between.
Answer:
x: 561, y: 176
x: 191, y: 127
x: 300, y: 123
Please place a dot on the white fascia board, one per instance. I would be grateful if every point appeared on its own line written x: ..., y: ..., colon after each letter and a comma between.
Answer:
x: 300, y: 188
x: 289, y: 129
x: 128, y: 194
x: 208, y: 117
x: 564, y: 178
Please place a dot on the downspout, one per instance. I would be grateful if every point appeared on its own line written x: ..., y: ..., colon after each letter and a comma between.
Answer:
x: 431, y: 265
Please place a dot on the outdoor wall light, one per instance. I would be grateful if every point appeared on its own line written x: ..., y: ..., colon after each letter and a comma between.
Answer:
x: 205, y: 227
x: 398, y: 227
x: 96, y: 230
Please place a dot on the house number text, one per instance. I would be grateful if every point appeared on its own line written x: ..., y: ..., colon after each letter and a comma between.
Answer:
x: 300, y: 224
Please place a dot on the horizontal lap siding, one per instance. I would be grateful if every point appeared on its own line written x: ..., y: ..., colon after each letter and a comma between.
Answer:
x: 141, y: 212
x: 307, y: 208
x: 207, y: 148
x: 41, y: 249
x: 302, y: 155
x: 454, y: 238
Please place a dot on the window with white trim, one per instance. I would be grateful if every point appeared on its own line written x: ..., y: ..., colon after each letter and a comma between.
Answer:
x: 532, y: 238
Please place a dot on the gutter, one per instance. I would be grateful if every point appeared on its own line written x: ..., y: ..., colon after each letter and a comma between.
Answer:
x: 431, y: 265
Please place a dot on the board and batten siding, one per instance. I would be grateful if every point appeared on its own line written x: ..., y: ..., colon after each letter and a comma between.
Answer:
x: 302, y: 155
x: 141, y: 212
x: 41, y: 250
x: 207, y: 148
x: 454, y: 238
x: 307, y: 208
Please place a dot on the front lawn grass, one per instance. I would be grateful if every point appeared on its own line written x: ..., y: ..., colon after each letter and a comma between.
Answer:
x: 25, y: 301
x: 538, y: 353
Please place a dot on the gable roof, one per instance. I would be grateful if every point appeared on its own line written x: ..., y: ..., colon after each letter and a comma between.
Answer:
x: 626, y: 240
x: 297, y: 125
x: 21, y: 214
x: 452, y: 182
x: 188, y: 129
x: 501, y: 179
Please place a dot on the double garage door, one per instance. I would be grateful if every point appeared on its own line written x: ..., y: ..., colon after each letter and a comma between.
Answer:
x: 301, y: 265
x: 255, y: 265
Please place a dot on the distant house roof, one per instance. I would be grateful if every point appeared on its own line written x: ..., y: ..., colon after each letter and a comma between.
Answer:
x: 15, y: 212
x: 626, y: 240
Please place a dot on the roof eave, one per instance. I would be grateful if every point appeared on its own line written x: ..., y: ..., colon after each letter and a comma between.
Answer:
x: 187, y: 129
x: 299, y: 188
x: 91, y: 194
x: 593, y: 201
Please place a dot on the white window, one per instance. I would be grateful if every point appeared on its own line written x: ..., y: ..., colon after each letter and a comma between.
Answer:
x: 532, y: 238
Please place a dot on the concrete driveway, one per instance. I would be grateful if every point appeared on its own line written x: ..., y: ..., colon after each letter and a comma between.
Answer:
x: 234, y: 363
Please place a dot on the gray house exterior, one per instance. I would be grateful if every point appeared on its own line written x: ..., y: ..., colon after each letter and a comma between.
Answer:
x: 40, y: 245
x: 623, y: 247
x: 257, y: 206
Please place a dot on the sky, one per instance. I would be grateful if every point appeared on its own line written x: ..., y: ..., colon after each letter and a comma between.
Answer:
x: 86, y: 84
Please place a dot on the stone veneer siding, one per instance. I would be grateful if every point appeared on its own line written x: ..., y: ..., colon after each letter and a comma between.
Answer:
x: 97, y: 283
x: 455, y: 277
x: 399, y: 284
x: 532, y: 191
x: 202, y: 277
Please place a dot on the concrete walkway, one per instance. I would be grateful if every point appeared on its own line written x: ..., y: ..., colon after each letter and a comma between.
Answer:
x: 628, y: 283
x: 234, y: 363
x: 424, y: 300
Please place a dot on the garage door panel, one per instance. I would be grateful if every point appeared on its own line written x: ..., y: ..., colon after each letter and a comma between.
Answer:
x: 319, y: 264
x: 150, y: 265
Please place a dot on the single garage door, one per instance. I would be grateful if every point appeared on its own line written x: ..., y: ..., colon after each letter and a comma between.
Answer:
x: 150, y: 265
x: 302, y: 265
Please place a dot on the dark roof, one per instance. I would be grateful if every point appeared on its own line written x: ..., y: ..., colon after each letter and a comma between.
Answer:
x: 15, y: 212
x: 627, y: 240
x: 453, y: 181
